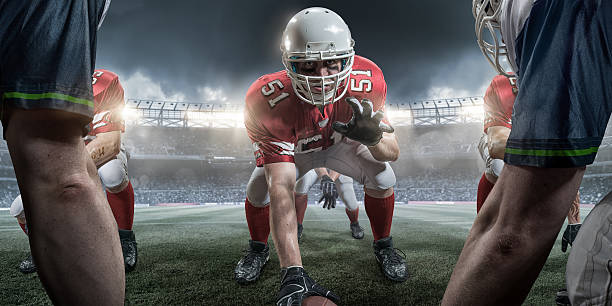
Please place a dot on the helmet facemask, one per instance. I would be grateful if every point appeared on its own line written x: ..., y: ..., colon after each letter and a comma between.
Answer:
x: 333, y: 87
x: 486, y: 14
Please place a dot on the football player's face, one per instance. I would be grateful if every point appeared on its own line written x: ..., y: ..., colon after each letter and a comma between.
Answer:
x: 319, y: 68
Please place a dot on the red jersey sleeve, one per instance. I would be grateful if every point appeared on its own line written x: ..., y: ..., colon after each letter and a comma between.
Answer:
x: 498, y: 103
x: 270, y: 120
x: 108, y: 103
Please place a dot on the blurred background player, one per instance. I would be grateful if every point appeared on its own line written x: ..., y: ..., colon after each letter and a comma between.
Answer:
x: 332, y: 184
x: 47, y: 100
x: 103, y: 142
x: 289, y: 117
x: 498, y: 103
x: 560, y: 53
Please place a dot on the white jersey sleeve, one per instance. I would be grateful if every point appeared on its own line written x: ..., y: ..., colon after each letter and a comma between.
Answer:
x: 513, y: 15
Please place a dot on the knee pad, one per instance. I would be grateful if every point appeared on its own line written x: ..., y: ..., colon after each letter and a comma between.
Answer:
x: 16, y: 209
x: 496, y: 167
x: 113, y: 174
x: 305, y: 182
x: 382, y: 180
x: 257, y: 188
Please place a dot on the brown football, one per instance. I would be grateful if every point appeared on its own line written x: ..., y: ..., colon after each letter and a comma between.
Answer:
x: 317, y: 301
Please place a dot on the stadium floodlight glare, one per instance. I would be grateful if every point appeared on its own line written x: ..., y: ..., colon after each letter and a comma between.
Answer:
x: 476, y: 112
x: 398, y: 117
x: 130, y: 114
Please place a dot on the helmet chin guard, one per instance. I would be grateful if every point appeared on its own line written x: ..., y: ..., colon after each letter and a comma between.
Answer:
x: 486, y: 14
x: 318, y: 34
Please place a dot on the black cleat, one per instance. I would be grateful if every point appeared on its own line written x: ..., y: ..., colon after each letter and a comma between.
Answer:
x: 562, y: 298
x: 392, y: 264
x: 357, y: 230
x: 27, y: 265
x: 300, y: 229
x: 129, y: 249
x: 249, y: 267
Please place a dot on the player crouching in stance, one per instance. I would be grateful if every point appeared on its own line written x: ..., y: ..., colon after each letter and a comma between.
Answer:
x: 289, y: 117
x: 332, y: 185
x: 103, y: 142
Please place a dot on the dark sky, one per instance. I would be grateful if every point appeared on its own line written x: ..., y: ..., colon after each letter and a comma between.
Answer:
x: 195, y: 50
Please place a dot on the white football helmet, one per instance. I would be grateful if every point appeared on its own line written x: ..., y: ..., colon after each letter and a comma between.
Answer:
x: 318, y: 34
x: 486, y: 13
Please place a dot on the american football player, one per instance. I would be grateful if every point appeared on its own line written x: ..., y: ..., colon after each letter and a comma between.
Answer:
x: 498, y: 102
x: 332, y: 184
x: 47, y: 56
x: 558, y: 122
x: 289, y: 117
x: 103, y: 142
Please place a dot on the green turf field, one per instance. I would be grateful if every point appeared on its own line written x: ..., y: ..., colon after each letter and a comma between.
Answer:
x: 187, y: 256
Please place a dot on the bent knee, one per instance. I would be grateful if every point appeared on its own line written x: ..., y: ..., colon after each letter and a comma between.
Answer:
x: 508, y: 243
x: 75, y: 187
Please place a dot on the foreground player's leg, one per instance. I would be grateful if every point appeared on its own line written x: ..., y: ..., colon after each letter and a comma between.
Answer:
x: 79, y: 257
x: 588, y: 266
x: 512, y: 235
x: 379, y: 208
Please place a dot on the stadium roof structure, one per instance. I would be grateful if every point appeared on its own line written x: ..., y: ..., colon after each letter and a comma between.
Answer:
x: 185, y: 114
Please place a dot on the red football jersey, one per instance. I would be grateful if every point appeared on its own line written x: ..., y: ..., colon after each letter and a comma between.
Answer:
x: 108, y: 104
x: 280, y: 124
x: 498, y: 103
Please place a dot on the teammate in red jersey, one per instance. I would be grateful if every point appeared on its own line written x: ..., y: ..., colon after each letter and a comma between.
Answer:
x: 103, y: 142
x: 289, y: 117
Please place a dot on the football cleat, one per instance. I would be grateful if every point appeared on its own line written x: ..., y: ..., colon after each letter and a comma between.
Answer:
x: 129, y: 249
x: 249, y: 267
x: 300, y: 229
x: 27, y: 265
x: 562, y: 298
x: 357, y: 230
x: 392, y: 264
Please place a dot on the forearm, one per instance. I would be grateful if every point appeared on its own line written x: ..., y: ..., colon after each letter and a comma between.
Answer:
x: 497, y: 139
x: 283, y: 225
x: 573, y: 216
x: 387, y: 149
x: 104, y: 147
x: 497, y: 149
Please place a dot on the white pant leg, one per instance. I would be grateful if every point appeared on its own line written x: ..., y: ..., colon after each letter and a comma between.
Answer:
x: 351, y: 159
x: 344, y: 184
x: 306, y: 182
x: 257, y: 188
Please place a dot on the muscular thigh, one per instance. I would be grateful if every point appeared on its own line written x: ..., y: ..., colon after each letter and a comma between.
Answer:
x: 351, y: 159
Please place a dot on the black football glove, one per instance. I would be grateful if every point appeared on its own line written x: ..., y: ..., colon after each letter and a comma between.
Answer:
x: 330, y: 194
x: 296, y: 285
x: 571, y: 231
x: 365, y: 126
